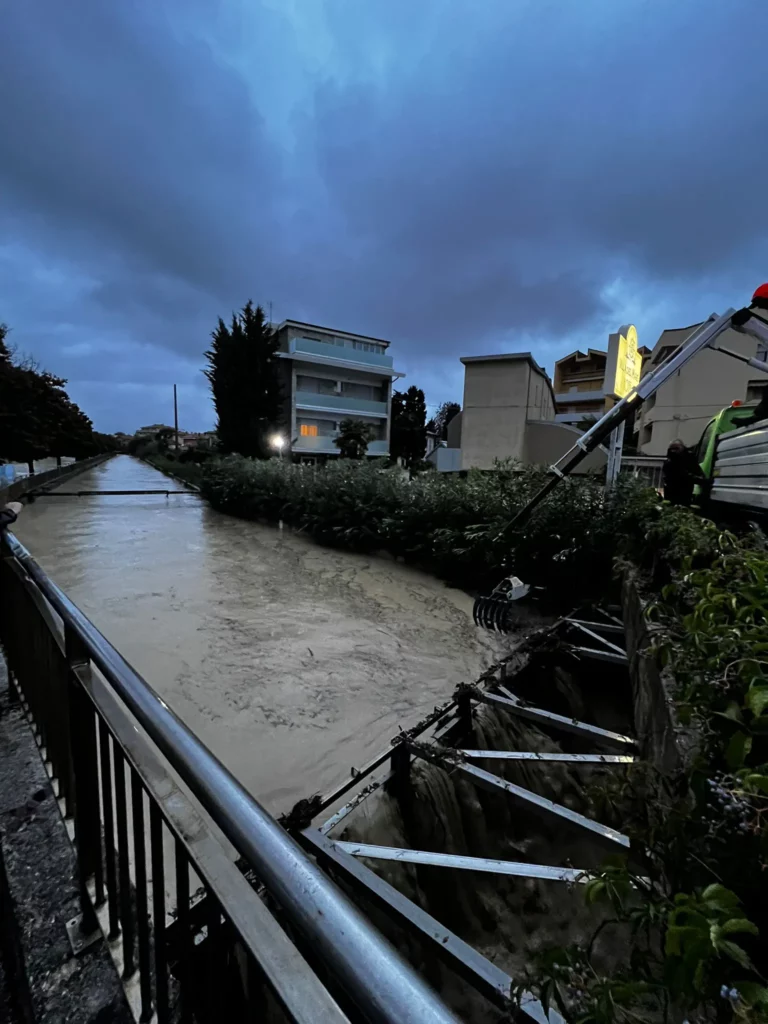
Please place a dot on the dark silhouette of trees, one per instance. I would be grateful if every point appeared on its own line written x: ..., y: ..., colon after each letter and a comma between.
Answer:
x: 353, y: 438
x: 37, y: 416
x: 244, y: 376
x: 408, y: 435
x: 443, y: 417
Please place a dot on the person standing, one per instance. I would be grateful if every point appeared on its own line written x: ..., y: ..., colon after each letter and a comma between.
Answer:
x: 681, y: 473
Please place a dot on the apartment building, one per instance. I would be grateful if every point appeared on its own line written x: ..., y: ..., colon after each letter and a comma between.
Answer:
x: 584, y: 383
x: 329, y: 376
x: 684, y: 405
x: 579, y: 385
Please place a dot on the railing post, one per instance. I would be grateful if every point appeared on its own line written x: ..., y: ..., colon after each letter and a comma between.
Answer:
x: 82, y: 736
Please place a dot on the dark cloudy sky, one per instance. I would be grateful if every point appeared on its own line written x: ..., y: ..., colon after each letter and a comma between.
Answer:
x: 460, y: 177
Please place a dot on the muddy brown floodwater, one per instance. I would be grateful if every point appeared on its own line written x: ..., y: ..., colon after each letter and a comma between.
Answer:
x: 291, y: 661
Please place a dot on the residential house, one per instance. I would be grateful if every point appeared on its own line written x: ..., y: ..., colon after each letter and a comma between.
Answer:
x: 329, y: 376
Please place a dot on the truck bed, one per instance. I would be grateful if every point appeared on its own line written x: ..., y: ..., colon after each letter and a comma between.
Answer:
x: 740, y: 476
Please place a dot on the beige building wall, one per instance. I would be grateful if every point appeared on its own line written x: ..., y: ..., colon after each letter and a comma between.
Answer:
x: 683, y: 406
x: 547, y: 441
x: 500, y: 394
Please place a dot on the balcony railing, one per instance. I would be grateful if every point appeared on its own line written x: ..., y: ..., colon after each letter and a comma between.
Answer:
x: 116, y: 750
x: 341, y: 404
x: 368, y: 360
x: 564, y: 397
x: 323, y: 445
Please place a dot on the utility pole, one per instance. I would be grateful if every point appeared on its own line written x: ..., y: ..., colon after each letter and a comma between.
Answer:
x: 175, y: 420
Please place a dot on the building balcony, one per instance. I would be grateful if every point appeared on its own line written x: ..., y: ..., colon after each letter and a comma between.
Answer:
x: 568, y: 397
x: 323, y: 445
x: 336, y: 355
x: 340, y: 404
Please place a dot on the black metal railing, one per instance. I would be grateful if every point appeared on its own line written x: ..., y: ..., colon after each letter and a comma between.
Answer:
x: 194, y: 939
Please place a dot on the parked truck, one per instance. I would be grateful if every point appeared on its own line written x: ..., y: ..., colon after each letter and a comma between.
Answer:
x: 733, y: 456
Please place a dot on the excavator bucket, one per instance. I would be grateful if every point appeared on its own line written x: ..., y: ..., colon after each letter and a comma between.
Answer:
x: 495, y: 611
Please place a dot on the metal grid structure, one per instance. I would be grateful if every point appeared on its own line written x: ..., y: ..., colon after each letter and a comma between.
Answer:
x: 439, y: 739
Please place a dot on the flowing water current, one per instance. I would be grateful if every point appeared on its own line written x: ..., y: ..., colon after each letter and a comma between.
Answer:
x: 291, y: 661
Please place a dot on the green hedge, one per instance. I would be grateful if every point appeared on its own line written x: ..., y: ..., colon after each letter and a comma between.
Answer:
x: 457, y: 528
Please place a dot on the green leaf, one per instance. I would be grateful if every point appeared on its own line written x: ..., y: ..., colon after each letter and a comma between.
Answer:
x: 738, y: 747
x: 757, y: 699
x: 757, y: 782
x: 739, y: 924
x: 718, y: 894
x: 736, y: 953
x: 753, y: 993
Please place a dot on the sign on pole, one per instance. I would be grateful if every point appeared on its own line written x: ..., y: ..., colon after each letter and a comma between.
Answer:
x: 622, y: 373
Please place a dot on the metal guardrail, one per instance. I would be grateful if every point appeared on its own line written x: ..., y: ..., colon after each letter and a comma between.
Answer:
x: 95, y: 717
x: 649, y: 467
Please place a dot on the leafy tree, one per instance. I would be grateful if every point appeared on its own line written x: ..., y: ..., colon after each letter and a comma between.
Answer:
x: 353, y: 438
x: 38, y: 416
x: 163, y: 438
x: 244, y: 376
x: 408, y: 437
x: 443, y: 417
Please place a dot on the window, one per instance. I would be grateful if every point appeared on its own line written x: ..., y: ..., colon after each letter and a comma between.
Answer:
x: 308, y: 430
x: 367, y: 391
x: 316, y: 385
x: 664, y: 354
x: 703, y: 444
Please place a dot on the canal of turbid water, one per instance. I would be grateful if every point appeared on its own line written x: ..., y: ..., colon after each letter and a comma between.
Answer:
x: 291, y: 661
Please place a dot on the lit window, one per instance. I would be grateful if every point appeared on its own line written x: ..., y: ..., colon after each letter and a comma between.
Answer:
x: 308, y: 430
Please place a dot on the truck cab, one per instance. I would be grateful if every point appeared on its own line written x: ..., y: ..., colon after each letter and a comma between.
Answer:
x: 725, y: 421
x: 733, y: 455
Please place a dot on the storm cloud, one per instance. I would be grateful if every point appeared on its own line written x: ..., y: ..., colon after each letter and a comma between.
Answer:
x: 460, y: 178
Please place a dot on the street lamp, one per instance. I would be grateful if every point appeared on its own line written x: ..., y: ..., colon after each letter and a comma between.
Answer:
x: 278, y: 442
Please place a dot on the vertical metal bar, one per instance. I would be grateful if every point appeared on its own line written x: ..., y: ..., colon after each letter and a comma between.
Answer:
x: 615, y: 447
x: 464, y: 705
x: 182, y: 919
x: 142, y: 915
x: 214, y: 959
x: 123, y: 871
x: 90, y: 786
x: 158, y: 913
x: 84, y: 811
x: 109, y: 829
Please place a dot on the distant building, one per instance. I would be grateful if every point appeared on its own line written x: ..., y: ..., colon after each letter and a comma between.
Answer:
x: 151, y: 431
x: 710, y: 381
x: 579, y: 386
x: 187, y: 439
x: 509, y: 412
x: 329, y: 376
x: 582, y: 393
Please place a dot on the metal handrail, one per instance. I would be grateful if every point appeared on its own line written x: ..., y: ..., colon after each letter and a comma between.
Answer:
x: 384, y: 987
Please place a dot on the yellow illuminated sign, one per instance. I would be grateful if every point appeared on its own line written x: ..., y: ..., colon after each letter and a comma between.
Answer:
x: 624, y: 362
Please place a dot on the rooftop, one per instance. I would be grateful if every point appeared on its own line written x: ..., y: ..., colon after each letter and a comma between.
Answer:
x: 507, y: 357
x: 579, y: 355
x: 331, y: 330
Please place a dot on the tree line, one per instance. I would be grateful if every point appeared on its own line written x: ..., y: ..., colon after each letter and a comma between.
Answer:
x: 249, y: 393
x: 38, y: 419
